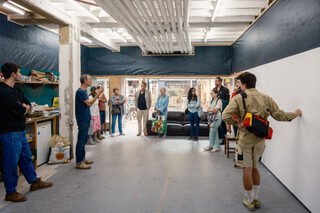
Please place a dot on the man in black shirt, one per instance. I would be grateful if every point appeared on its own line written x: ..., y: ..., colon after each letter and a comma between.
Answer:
x: 224, y: 95
x: 16, y: 151
x: 142, y: 100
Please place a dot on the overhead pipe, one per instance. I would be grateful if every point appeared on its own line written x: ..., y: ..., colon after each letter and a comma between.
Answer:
x: 179, y: 23
x: 148, y: 34
x: 166, y: 23
x: 158, y: 22
x: 144, y: 13
x: 132, y: 21
x: 112, y: 11
x: 173, y: 23
x: 186, y: 13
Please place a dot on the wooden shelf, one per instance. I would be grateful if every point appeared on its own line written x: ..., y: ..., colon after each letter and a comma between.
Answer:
x: 37, y: 84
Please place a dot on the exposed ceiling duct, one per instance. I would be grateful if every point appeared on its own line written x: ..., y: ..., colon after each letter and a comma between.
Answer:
x: 159, y: 27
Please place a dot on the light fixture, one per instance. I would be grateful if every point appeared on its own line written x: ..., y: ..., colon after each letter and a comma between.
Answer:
x: 14, y: 8
x: 85, y: 39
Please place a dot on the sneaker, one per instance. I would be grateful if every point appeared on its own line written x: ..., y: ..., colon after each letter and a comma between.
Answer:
x: 215, y: 149
x: 112, y: 135
x: 196, y: 139
x: 257, y: 203
x: 39, y: 184
x: 250, y: 206
x: 98, y: 141
x: 15, y: 197
x: 122, y: 134
x: 88, y: 162
x: 190, y: 139
x: 208, y: 148
x: 90, y: 142
x: 82, y: 166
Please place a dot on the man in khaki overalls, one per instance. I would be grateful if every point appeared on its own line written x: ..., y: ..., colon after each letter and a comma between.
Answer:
x: 249, y: 145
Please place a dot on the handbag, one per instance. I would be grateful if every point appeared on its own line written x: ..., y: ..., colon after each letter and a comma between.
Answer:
x: 254, y: 123
x: 115, y: 109
x: 159, y: 125
x: 186, y: 111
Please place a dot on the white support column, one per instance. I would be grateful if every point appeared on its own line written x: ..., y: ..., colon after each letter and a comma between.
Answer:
x: 69, y: 71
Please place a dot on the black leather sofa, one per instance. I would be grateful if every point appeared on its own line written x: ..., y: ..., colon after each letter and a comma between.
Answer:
x: 178, y: 124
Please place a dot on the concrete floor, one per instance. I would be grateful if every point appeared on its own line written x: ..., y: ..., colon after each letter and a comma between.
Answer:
x: 147, y: 174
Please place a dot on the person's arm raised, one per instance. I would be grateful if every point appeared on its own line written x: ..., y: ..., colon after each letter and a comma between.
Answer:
x: 91, y: 102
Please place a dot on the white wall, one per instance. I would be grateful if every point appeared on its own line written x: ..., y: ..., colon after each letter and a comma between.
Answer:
x: 293, y: 155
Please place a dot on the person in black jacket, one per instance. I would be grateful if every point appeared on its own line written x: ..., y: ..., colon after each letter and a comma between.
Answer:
x: 15, y: 147
x: 224, y: 96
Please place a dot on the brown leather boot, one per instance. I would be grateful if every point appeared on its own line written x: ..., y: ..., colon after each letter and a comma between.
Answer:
x: 39, y: 184
x: 15, y: 197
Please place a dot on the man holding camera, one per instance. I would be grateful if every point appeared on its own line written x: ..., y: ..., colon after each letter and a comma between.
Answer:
x: 250, y: 147
x: 83, y: 117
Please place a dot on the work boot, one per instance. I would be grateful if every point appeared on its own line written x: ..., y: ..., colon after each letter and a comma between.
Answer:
x: 15, y: 197
x: 39, y: 184
x: 88, y: 162
x: 82, y: 166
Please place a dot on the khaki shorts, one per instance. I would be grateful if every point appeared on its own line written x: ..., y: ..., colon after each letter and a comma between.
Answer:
x: 251, y: 154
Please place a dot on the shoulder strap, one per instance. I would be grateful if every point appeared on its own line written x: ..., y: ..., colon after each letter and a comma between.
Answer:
x: 244, y: 95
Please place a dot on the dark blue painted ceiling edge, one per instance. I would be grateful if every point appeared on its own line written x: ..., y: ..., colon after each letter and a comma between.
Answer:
x: 212, y: 60
x: 28, y: 46
x: 289, y: 27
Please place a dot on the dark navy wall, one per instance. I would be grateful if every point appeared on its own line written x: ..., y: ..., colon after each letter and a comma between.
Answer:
x: 129, y: 61
x: 31, y: 48
x: 287, y: 28
x: 84, y: 59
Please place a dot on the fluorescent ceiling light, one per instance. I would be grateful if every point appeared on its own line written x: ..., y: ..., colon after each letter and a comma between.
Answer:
x: 85, y: 39
x: 13, y: 8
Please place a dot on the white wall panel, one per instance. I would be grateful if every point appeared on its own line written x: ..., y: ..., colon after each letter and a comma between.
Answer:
x: 293, y: 155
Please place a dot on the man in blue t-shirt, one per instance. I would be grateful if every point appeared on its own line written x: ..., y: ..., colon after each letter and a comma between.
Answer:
x: 83, y: 117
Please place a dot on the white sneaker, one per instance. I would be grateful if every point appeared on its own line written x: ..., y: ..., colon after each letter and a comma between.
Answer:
x: 208, y: 148
x: 215, y: 149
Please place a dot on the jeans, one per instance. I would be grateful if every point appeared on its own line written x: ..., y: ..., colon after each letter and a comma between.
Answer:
x: 114, y: 119
x: 16, y: 151
x: 214, y: 134
x: 82, y: 140
x: 194, y: 124
x: 102, y: 119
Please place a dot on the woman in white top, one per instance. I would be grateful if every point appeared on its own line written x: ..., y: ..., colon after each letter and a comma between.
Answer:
x: 214, y: 120
x: 95, y: 114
